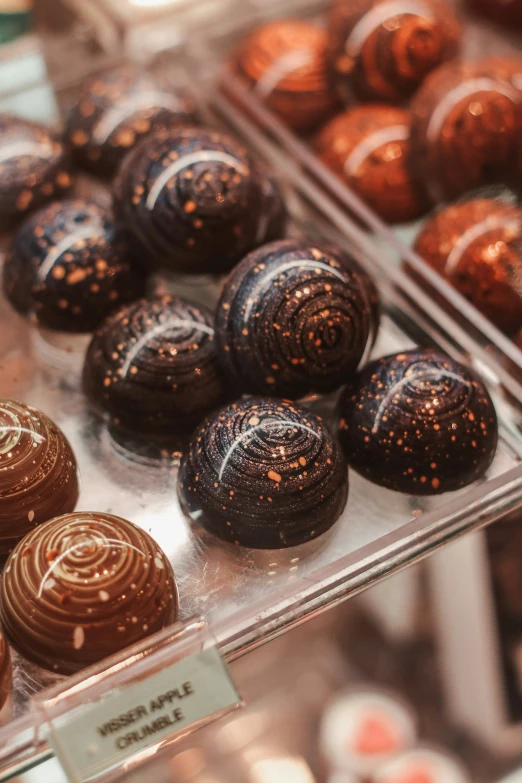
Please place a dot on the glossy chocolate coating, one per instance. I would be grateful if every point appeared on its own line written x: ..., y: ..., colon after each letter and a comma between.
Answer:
x: 82, y: 587
x: 383, y: 51
x: 476, y: 245
x: 34, y: 168
x: 418, y: 422
x: 116, y: 110
x: 368, y: 147
x: 38, y: 474
x: 153, y: 368
x: 191, y: 200
x: 6, y: 672
x: 294, y: 319
x: 466, y: 128
x: 264, y: 473
x: 68, y: 265
x: 284, y: 62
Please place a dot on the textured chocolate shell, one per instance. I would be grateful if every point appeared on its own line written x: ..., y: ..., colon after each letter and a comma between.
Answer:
x: 383, y: 51
x: 294, y: 318
x: 67, y: 264
x: 116, y: 110
x: 38, y: 473
x: 264, y: 473
x: 476, y: 245
x: 368, y: 148
x: 191, y: 200
x: 82, y: 587
x: 34, y: 168
x: 418, y: 422
x: 284, y: 62
x: 153, y: 368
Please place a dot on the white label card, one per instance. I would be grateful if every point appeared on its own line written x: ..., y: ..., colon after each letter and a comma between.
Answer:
x: 100, y: 736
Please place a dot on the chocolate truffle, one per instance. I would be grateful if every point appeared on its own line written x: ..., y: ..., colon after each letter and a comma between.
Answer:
x: 33, y: 168
x: 264, y: 473
x: 294, y: 318
x: 368, y: 147
x: 153, y: 368
x: 68, y: 265
x: 284, y: 62
x: 190, y: 200
x: 82, y: 587
x: 382, y: 51
x: 6, y: 672
x: 418, y: 422
x: 476, y: 245
x: 466, y: 128
x: 38, y: 474
x: 117, y: 109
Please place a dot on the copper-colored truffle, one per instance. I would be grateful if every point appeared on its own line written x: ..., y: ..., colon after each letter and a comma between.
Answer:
x: 382, y: 51
x: 34, y: 168
x: 82, y: 587
x: 38, y: 474
x: 368, y: 147
x: 466, y: 128
x: 285, y: 64
x: 476, y: 245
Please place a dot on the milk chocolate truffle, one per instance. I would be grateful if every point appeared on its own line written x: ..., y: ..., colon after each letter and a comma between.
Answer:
x: 190, y: 200
x: 294, y: 318
x: 6, y: 672
x: 115, y: 110
x: 38, y: 474
x: 284, y: 62
x: 476, y: 245
x: 418, y: 422
x: 368, y: 147
x: 382, y: 51
x: 466, y: 128
x: 153, y: 368
x: 82, y: 587
x: 264, y: 473
x: 34, y: 168
x: 68, y: 265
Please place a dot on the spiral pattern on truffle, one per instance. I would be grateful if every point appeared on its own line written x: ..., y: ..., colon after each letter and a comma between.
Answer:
x: 153, y: 367
x: 466, y: 128
x: 476, y: 245
x: 38, y: 474
x: 368, y: 147
x: 264, y: 473
x: 294, y: 318
x: 67, y: 264
x: 418, y: 422
x: 34, y: 168
x: 116, y: 110
x: 82, y: 587
x: 191, y: 200
x: 285, y: 64
x: 382, y: 50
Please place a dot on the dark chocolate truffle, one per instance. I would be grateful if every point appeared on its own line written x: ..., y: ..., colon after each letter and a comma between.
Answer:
x: 38, y: 474
x: 153, y: 367
x: 382, y: 51
x: 191, y: 200
x: 82, y: 587
x: 294, y: 318
x: 264, y: 473
x: 115, y: 110
x: 68, y: 265
x: 418, y: 422
x: 466, y: 128
x: 476, y: 245
x: 33, y: 168
x: 368, y: 147
x: 6, y: 672
x: 285, y: 63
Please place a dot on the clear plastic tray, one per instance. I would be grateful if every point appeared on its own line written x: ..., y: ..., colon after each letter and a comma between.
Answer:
x: 480, y: 39
x: 249, y: 597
